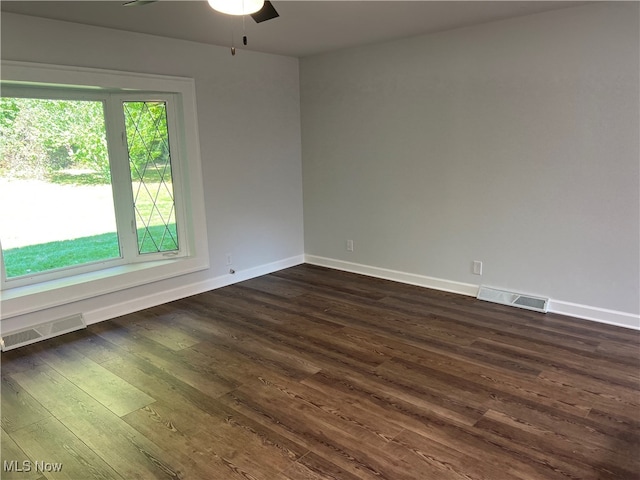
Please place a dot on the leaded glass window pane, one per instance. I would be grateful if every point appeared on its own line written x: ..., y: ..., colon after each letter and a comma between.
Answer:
x: 150, y: 163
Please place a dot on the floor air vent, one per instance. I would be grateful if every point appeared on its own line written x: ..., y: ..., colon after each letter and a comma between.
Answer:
x: 503, y: 297
x: 43, y: 331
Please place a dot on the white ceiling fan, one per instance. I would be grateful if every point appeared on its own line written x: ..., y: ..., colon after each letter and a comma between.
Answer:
x: 259, y: 10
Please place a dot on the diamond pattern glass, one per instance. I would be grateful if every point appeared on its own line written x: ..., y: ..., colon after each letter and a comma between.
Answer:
x: 150, y: 163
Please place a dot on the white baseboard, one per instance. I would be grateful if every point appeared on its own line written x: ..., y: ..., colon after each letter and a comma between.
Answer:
x: 395, y: 275
x: 106, y: 313
x: 586, y: 312
x: 596, y: 314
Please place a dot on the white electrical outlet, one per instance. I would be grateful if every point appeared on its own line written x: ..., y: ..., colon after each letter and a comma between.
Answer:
x: 229, y: 259
x: 477, y: 267
x: 349, y: 245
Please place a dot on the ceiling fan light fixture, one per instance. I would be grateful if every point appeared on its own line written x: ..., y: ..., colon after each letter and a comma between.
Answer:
x: 237, y: 7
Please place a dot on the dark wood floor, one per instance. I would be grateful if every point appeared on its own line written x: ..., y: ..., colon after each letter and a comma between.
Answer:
x: 312, y: 374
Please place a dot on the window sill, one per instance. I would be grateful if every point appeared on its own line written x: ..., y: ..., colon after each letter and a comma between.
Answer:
x: 32, y: 298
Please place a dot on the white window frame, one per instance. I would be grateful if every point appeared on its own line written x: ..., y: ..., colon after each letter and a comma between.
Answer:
x: 25, y: 295
x: 120, y: 173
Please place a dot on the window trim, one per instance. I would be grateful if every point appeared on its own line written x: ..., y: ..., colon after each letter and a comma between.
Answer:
x: 19, y: 300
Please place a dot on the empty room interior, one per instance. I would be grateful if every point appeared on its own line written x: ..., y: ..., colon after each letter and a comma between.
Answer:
x: 344, y: 240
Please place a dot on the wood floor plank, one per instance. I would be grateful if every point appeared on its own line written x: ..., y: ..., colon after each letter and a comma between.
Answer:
x: 609, y: 372
x: 91, y: 346
x: 19, y: 359
x: 287, y: 348
x: 124, y: 449
x: 164, y: 385
x: 158, y: 324
x: 227, y: 358
x: 407, y: 409
x: 443, y: 461
x: 262, y: 354
x: 110, y: 390
x: 276, y: 286
x: 59, y: 396
x: 15, y: 463
x: 601, y: 331
x: 383, y: 319
x: 619, y: 353
x: 323, y: 437
x: 625, y: 427
x: 49, y: 441
x: 358, y: 422
x: 573, y: 450
x: 592, y: 391
x: 316, y: 374
x: 257, y: 454
x: 224, y: 443
x: 590, y: 430
x: 19, y: 408
x: 314, y: 467
x: 189, y: 452
x: 484, y: 446
x: 490, y: 383
x: 451, y: 359
x: 203, y: 321
x: 313, y: 278
x: 422, y: 381
x: 499, y: 327
x: 209, y: 381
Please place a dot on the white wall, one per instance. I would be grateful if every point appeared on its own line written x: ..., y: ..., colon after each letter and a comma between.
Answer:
x: 249, y: 128
x: 514, y: 143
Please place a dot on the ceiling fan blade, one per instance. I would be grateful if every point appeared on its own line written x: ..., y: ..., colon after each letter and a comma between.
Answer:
x: 138, y: 3
x: 267, y: 12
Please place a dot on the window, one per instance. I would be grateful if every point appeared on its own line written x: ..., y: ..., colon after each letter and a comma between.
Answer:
x: 98, y: 177
x: 53, y: 217
x: 150, y: 165
x: 87, y: 182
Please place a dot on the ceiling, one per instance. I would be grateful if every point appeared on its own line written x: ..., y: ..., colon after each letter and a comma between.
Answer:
x: 303, y: 28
